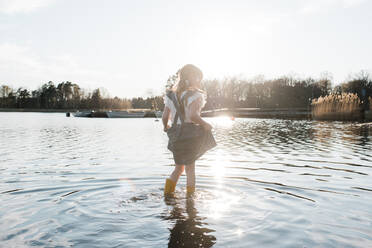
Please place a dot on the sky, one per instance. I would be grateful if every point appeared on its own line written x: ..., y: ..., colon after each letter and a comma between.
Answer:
x: 132, y: 47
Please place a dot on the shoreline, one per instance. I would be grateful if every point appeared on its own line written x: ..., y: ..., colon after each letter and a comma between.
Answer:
x: 61, y: 110
x: 36, y: 110
x: 274, y: 113
x: 282, y: 113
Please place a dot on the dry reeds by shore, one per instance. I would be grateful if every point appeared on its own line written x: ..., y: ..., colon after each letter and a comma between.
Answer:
x: 345, y: 106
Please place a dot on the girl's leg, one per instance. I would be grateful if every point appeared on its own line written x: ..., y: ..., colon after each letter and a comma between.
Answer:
x: 190, y: 173
x: 177, y: 172
x: 170, y: 183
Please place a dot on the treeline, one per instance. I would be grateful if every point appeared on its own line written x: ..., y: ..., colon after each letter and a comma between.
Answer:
x: 68, y: 95
x: 234, y: 92
x: 284, y: 92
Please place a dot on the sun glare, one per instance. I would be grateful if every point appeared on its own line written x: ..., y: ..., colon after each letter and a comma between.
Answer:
x: 223, y: 121
x: 224, y: 197
x: 222, y: 203
x: 218, y: 47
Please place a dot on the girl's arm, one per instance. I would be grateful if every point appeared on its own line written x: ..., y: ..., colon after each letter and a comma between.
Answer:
x: 195, y: 115
x: 165, y: 118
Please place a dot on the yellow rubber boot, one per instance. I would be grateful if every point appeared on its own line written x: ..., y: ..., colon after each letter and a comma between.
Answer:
x: 169, y: 187
x: 190, y: 190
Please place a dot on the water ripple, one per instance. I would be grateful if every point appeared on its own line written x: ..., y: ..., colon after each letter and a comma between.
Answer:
x: 98, y: 183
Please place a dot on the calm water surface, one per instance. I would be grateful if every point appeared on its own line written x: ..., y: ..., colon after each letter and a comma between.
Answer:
x: 75, y: 182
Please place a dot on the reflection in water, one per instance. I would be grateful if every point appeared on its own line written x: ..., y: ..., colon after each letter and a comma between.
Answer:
x: 188, y: 230
x: 364, y: 133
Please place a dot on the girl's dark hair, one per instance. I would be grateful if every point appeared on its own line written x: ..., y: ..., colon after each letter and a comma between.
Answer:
x: 186, y: 74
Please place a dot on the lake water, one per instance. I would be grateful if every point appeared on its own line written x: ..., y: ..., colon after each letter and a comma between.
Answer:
x: 76, y: 182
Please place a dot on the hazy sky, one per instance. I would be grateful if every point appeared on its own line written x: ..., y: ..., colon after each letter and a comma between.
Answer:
x: 131, y: 46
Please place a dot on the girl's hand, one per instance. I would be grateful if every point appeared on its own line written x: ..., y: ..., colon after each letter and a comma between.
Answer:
x: 165, y: 119
x: 166, y: 128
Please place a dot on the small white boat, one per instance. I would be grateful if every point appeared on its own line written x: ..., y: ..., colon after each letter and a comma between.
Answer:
x: 82, y: 114
x: 125, y: 114
x: 158, y: 114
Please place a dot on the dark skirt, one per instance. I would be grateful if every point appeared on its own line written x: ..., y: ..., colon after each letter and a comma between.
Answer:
x: 187, y: 150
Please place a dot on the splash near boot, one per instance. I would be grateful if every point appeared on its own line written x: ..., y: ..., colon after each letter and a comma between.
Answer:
x: 170, y: 186
x: 190, y: 190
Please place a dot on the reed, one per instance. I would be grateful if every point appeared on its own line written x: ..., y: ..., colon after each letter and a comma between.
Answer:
x: 343, y: 107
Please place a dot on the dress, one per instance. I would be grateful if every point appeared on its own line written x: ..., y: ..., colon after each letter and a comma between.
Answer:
x: 187, y: 141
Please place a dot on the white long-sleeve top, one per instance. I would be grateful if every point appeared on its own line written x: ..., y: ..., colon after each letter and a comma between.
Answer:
x: 198, y: 100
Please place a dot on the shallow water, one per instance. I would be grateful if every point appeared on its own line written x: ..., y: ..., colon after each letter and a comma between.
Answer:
x: 76, y: 182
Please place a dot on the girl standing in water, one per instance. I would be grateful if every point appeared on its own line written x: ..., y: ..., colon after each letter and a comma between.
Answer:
x: 189, y: 136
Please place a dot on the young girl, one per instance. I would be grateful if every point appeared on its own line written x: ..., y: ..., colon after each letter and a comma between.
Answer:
x: 190, y: 100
